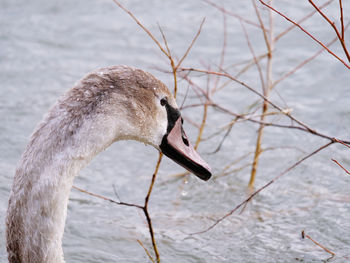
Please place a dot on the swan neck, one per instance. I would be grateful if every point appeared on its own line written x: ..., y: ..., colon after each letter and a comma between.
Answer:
x: 39, y: 198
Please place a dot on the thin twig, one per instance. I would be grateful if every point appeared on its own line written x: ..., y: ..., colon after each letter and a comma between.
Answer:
x: 341, y: 39
x: 165, y: 50
x: 263, y: 29
x: 175, y: 68
x: 116, y: 192
x: 223, y: 53
x: 226, y: 75
x: 146, y: 250
x: 263, y: 187
x: 142, y: 26
x: 303, y: 63
x: 256, y: 61
x: 306, y: 32
x: 341, y: 20
x: 303, y: 127
x: 303, y: 235
x: 106, y: 198
x: 341, y: 166
x: 145, y: 208
x: 170, y: 57
x: 308, y: 130
x: 191, y: 44
x: 225, y: 136
x: 164, y: 40
x: 266, y: 90
x: 308, y: 59
x: 200, y: 132
x: 222, y: 9
x: 342, y: 142
x: 301, y: 20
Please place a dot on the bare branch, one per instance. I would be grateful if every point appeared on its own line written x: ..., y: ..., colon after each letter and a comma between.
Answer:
x: 191, y: 45
x: 143, y: 27
x: 303, y: 235
x: 256, y: 62
x: 165, y: 41
x: 341, y: 166
x: 307, y: 60
x: 341, y: 20
x: 306, y: 32
x: 106, y: 198
x: 145, y: 208
x: 301, y: 20
x: 258, y: 94
x: 263, y: 187
x: 223, y: 53
x: 303, y: 63
x: 222, y: 9
x: 341, y: 39
x: 146, y: 250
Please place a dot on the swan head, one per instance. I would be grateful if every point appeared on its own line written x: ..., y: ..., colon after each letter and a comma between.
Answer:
x: 140, y: 107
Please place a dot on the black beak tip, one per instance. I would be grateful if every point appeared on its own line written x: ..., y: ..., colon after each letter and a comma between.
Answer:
x: 205, y: 177
x: 204, y: 174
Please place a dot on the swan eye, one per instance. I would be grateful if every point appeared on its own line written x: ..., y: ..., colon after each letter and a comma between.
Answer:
x: 163, y: 101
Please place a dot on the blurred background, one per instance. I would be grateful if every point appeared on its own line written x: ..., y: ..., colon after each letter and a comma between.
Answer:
x: 46, y: 46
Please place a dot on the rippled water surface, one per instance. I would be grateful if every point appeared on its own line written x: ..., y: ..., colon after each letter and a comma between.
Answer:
x: 46, y: 46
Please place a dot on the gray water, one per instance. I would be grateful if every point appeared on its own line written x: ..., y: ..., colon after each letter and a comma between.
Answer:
x: 45, y: 46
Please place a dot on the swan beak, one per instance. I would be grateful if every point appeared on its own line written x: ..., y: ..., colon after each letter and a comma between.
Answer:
x: 177, y: 147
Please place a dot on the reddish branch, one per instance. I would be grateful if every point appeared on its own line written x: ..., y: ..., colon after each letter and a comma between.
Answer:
x: 339, y: 35
x: 303, y: 235
x: 225, y: 11
x: 107, y: 199
x: 263, y: 187
x: 302, y: 126
x: 303, y: 63
x: 341, y: 166
x: 302, y: 20
x: 341, y: 19
x: 165, y: 50
x: 306, y: 32
x: 144, y: 208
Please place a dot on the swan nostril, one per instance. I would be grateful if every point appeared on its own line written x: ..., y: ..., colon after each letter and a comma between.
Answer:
x: 184, y: 139
x: 183, y: 134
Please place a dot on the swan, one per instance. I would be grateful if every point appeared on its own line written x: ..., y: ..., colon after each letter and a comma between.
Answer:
x: 107, y: 105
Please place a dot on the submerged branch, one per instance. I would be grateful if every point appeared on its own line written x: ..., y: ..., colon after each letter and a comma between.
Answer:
x: 106, y: 198
x: 303, y: 235
x: 144, y: 208
x: 263, y: 187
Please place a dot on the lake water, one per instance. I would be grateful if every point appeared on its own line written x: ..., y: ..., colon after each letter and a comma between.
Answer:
x: 45, y: 46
